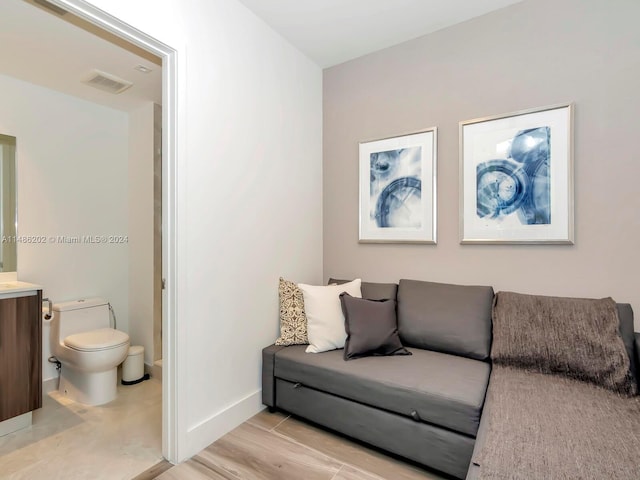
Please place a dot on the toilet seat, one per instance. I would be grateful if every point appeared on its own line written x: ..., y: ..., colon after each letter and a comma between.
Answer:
x: 96, y: 340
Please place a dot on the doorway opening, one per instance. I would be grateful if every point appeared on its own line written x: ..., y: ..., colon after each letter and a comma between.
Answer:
x: 113, y: 26
x: 108, y: 27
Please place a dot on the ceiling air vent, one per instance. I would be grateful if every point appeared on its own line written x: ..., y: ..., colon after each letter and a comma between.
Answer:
x: 107, y: 82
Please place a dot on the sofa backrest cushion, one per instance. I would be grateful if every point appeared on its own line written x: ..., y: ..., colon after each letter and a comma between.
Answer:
x: 446, y: 318
x: 625, y: 314
x: 372, y: 290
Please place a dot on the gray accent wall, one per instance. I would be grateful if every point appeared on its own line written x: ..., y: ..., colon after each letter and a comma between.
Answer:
x: 532, y: 54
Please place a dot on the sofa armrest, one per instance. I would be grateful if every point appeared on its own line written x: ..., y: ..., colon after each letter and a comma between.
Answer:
x: 268, y: 381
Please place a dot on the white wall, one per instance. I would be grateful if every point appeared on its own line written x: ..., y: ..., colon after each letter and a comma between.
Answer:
x: 532, y: 54
x: 72, y: 181
x: 249, y: 197
x: 140, y: 229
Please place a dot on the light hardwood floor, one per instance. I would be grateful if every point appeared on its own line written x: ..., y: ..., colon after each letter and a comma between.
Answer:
x: 273, y: 446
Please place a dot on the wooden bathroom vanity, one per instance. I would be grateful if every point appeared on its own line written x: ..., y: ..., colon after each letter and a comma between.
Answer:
x: 20, y: 354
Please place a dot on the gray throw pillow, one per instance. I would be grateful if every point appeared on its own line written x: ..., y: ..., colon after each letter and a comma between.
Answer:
x: 372, y: 327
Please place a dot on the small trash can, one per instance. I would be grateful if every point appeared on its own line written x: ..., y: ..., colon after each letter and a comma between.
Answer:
x: 133, y: 366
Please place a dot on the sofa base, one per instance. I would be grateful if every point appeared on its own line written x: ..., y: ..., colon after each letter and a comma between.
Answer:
x: 426, y: 444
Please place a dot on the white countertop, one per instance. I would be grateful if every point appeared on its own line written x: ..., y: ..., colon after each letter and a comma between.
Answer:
x: 8, y: 289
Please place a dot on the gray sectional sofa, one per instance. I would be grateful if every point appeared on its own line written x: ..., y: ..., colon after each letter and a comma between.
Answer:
x: 426, y: 407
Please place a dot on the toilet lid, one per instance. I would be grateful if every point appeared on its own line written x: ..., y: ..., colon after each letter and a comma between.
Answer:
x: 102, y: 339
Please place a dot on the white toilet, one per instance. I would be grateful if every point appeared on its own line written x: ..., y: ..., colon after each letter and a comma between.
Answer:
x: 88, y: 349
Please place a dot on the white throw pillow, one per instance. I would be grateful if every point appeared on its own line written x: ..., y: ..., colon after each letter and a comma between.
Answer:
x: 325, y: 321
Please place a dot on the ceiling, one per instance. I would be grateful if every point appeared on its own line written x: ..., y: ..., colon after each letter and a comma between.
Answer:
x: 334, y: 31
x: 59, y: 52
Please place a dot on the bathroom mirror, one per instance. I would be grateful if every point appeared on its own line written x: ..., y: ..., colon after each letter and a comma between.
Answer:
x: 8, y: 218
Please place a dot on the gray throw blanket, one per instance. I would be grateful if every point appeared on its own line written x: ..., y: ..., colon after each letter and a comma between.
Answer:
x: 558, y: 393
x: 547, y: 427
x: 574, y: 337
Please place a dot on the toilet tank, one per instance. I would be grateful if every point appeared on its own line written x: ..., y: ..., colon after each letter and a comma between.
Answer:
x: 82, y: 315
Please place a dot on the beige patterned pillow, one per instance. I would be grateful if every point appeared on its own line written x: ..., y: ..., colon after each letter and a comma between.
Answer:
x: 293, y: 321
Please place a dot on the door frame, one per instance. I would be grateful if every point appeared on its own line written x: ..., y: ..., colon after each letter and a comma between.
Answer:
x: 173, y: 437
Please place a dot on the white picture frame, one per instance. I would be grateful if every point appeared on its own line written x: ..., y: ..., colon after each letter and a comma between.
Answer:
x: 398, y: 188
x: 516, y: 177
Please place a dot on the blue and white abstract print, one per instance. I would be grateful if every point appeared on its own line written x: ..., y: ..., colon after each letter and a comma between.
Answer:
x: 395, y: 188
x: 520, y: 184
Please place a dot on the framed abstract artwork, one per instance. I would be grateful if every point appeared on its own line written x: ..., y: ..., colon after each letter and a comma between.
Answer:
x: 516, y: 177
x: 398, y: 188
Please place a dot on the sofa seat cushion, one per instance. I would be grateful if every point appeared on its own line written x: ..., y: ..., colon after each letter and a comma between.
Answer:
x: 430, y: 387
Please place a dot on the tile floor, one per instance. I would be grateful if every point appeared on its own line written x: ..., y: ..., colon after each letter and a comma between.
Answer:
x: 72, y: 441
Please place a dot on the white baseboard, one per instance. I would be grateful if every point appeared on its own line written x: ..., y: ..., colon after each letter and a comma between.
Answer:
x: 16, y: 423
x: 49, y: 385
x: 154, y: 371
x: 210, y: 430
